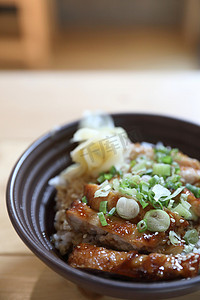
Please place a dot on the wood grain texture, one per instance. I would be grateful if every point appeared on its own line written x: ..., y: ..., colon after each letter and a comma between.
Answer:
x: 31, y: 104
x: 26, y: 278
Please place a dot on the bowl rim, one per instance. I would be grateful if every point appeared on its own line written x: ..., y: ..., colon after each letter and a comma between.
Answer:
x: 61, y: 267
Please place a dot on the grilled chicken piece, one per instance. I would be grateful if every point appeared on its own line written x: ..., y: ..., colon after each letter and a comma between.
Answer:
x: 186, y: 161
x: 94, y: 202
x: 190, y: 175
x: 195, y: 202
x: 119, y: 234
x: 112, y: 198
x: 132, y: 264
x: 177, y: 223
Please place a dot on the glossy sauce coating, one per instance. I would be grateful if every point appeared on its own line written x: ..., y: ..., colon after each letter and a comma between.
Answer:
x: 82, y: 218
x: 132, y: 264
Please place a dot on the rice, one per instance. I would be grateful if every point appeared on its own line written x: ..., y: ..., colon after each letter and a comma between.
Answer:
x: 64, y: 237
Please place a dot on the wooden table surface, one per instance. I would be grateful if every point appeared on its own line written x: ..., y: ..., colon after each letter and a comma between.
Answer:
x: 31, y: 104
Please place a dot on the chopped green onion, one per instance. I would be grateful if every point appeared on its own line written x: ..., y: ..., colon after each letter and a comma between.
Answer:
x: 191, y: 236
x: 128, y: 191
x: 141, y: 200
x: 102, y: 219
x: 183, y: 197
x: 170, y: 204
x: 166, y: 159
x: 157, y: 220
x: 162, y: 149
x: 144, y: 186
x: 139, y: 167
x: 153, y: 180
x: 158, y: 204
x: 149, y: 172
x: 103, y: 206
x: 182, y: 211
x: 112, y: 211
x: 174, y: 194
x: 113, y: 170
x: 133, y: 163
x: 175, y: 168
x: 178, y: 191
x: 161, y: 169
x: 160, y: 191
x: 84, y: 200
x: 185, y: 204
x: 116, y: 184
x: 107, y: 176
x: 142, y: 225
x: 103, y: 190
x: 194, y: 189
x: 174, y: 151
x: 130, y: 181
x: 188, y: 248
x: 101, y: 178
x: 175, y: 239
x: 173, y: 182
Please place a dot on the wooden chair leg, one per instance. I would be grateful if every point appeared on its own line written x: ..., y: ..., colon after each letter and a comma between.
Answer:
x: 34, y: 25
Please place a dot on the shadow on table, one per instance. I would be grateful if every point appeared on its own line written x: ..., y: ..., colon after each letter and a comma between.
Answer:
x: 52, y: 286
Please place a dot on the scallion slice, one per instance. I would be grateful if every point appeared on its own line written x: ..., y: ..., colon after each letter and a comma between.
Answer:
x: 142, y: 226
x: 133, y: 163
x: 112, y: 211
x: 84, y: 199
x: 102, y: 219
x: 139, y: 168
x: 194, y: 189
x: 160, y: 191
x: 157, y: 220
x: 161, y: 169
x: 103, y: 206
x: 116, y: 184
x: 153, y: 180
x: 141, y: 200
x: 127, y: 208
x: 191, y: 236
x: 174, y: 238
x: 103, y: 190
x: 166, y: 159
x: 144, y: 186
x: 182, y: 211
x: 107, y: 176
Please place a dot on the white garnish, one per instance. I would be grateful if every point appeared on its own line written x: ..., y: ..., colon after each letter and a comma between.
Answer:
x: 175, y: 239
x: 160, y: 191
x: 103, y: 190
x: 127, y: 208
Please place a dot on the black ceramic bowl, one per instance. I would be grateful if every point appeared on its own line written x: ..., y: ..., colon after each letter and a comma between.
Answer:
x: 30, y: 201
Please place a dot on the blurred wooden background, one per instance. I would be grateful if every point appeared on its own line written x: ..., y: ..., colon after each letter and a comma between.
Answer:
x: 33, y: 103
x: 112, y: 34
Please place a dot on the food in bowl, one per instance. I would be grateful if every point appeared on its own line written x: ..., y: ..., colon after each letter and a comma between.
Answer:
x: 128, y: 209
